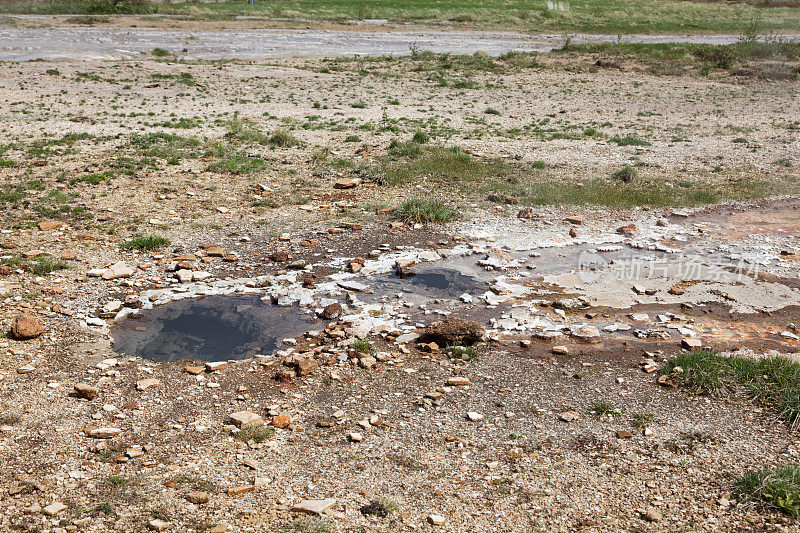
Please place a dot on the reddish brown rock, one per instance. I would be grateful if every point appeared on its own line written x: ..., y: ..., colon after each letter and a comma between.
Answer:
x: 49, y: 225
x: 26, y: 326
x: 628, y: 230
x: 87, y: 391
x: 306, y: 366
x: 281, y: 256
x: 281, y: 421
x: 453, y: 330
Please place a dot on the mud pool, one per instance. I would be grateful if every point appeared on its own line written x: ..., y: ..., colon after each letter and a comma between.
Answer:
x: 215, y: 328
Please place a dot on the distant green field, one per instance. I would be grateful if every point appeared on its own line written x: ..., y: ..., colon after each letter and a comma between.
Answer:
x: 600, y: 16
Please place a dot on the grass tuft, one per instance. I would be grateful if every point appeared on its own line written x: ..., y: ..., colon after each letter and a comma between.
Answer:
x: 773, y: 381
x: 424, y: 210
x: 778, y: 488
x: 145, y: 243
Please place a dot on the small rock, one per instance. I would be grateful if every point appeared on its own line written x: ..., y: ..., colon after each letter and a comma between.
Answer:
x: 235, y: 491
x: 568, y: 416
x: 118, y: 270
x: 692, y: 344
x: 26, y: 326
x: 332, y: 311
x: 49, y: 225
x: 281, y: 421
x: 246, y: 419
x: 474, y: 417
x: 104, y: 433
x: 213, y: 366
x: 198, y: 497
x: 314, y: 507
x: 355, y: 437
x: 158, y: 525
x: 651, y: 515
x: 435, y: 519
x: 453, y: 330
x: 346, y: 183
x: 145, y: 384
x: 560, y: 350
x: 54, y: 508
x: 84, y: 390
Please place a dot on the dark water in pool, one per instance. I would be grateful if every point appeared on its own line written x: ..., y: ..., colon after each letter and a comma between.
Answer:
x: 215, y: 328
x: 433, y: 282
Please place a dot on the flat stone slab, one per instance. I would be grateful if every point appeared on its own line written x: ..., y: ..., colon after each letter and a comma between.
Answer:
x: 314, y: 507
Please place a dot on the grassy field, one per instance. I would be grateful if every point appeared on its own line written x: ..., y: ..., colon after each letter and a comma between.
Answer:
x: 600, y: 16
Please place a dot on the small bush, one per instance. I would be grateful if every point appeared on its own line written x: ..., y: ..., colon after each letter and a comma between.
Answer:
x: 256, y: 434
x: 423, y: 210
x: 160, y: 52
x: 626, y: 174
x: 421, y: 137
x: 283, y: 138
x: 629, y: 140
x: 491, y: 111
x: 145, y: 243
x: 778, y: 488
x: 45, y: 265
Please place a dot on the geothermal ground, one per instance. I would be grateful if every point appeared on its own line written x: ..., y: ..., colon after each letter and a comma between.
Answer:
x: 348, y: 294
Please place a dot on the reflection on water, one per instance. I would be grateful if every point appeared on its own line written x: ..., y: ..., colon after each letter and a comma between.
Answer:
x: 215, y: 328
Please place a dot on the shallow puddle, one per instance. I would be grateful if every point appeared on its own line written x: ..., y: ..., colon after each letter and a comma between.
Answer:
x: 215, y: 328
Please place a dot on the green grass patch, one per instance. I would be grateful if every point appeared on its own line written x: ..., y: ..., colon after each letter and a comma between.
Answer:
x: 245, y: 131
x: 410, y: 162
x: 424, y: 211
x: 629, y: 140
x: 594, y: 16
x: 145, y: 243
x: 256, y: 434
x: 604, y: 407
x: 93, y: 179
x: 165, y: 145
x: 39, y: 266
x: 117, y: 481
x: 639, y: 192
x: 363, y: 346
x: 284, y: 139
x: 779, y: 54
x: 772, y: 381
x: 238, y: 163
x: 776, y: 488
x: 465, y: 353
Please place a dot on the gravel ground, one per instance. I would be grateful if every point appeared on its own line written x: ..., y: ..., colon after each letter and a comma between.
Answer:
x: 534, y: 456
